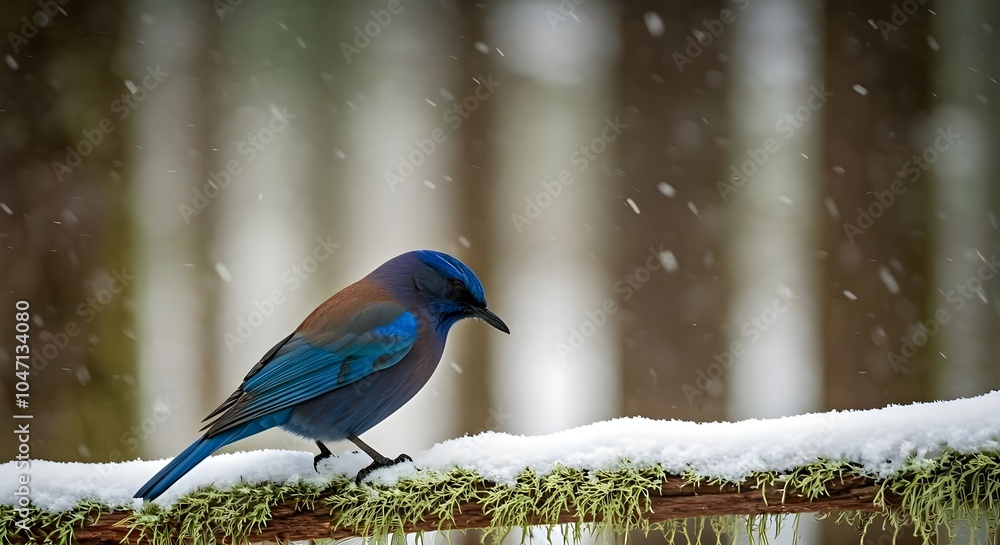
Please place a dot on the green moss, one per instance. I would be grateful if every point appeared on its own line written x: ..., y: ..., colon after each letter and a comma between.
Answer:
x: 941, y: 493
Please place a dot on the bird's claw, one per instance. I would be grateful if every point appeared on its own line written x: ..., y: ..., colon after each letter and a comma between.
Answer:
x: 324, y: 453
x: 319, y: 458
x: 379, y: 463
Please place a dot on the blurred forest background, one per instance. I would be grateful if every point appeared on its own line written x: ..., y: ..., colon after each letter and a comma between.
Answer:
x: 700, y: 210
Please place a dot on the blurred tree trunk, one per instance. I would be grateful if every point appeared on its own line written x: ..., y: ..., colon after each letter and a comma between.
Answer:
x: 674, y: 101
x: 280, y: 63
x: 174, y: 202
x: 65, y: 226
x: 328, y: 91
x: 771, y: 188
x: 556, y: 167
x: 877, y: 274
x: 991, y: 52
x: 405, y: 82
x: 206, y: 69
x: 474, y: 220
x: 964, y: 219
x: 876, y: 279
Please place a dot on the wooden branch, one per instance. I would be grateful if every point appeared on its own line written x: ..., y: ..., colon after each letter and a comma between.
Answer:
x: 674, y: 500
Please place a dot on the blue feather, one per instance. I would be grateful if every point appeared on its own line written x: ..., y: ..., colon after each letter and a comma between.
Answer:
x: 449, y: 267
x: 300, y: 371
x: 201, y: 449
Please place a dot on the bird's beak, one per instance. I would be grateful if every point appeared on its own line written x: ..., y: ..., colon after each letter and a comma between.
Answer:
x: 487, y: 316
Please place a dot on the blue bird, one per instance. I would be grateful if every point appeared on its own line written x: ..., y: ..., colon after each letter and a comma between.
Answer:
x: 355, y: 360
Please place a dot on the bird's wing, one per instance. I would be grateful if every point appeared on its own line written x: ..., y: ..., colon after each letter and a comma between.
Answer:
x: 303, y: 366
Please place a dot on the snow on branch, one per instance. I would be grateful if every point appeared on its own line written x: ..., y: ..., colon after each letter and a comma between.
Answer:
x: 919, y: 466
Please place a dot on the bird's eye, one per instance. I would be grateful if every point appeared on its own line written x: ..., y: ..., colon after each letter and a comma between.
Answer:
x: 457, y: 288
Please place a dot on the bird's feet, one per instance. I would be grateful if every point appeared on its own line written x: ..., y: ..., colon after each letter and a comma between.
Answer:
x: 324, y: 453
x: 379, y: 463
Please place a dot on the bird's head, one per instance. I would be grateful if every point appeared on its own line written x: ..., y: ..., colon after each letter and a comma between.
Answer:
x: 442, y: 284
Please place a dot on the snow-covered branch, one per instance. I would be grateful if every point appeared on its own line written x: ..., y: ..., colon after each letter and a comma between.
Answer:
x: 675, y: 499
x: 922, y: 465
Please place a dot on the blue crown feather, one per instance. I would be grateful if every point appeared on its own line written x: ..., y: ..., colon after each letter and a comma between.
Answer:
x: 449, y: 267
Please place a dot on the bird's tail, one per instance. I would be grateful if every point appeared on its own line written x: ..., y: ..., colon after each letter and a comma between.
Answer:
x: 198, y: 451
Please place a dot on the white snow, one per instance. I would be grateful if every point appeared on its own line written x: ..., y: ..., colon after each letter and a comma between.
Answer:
x: 653, y: 23
x: 880, y: 440
x: 669, y: 261
x: 888, y: 280
x: 223, y: 271
x: 666, y: 189
x: 831, y: 207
